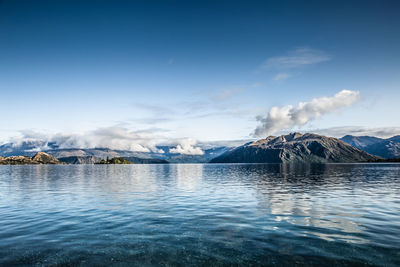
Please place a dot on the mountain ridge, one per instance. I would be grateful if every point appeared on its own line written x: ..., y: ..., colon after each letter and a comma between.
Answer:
x: 388, y: 148
x: 295, y: 147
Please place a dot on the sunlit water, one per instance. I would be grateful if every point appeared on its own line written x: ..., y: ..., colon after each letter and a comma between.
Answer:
x: 102, y: 215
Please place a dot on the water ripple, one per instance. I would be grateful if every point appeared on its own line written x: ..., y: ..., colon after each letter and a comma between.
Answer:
x: 195, y: 214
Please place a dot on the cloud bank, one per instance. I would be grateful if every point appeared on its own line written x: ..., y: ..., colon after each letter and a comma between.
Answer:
x: 118, y: 138
x: 287, y: 117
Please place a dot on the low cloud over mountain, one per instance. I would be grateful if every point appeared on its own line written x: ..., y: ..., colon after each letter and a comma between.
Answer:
x: 119, y: 138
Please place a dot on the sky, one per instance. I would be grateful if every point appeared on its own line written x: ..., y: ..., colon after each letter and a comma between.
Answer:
x: 199, y: 71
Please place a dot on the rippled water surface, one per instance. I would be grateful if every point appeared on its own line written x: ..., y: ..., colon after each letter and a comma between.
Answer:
x: 102, y: 215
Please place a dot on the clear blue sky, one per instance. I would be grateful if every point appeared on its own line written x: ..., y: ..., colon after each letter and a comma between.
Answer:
x: 202, y: 69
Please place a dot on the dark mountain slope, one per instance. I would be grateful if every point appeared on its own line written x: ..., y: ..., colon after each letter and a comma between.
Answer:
x: 295, y: 147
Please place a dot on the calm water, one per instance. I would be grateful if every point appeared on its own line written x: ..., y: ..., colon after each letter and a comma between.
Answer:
x: 200, y: 215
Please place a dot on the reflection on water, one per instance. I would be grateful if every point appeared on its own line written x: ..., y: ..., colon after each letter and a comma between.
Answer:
x: 252, y: 214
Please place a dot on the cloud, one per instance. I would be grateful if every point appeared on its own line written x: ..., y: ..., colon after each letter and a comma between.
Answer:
x: 118, y: 138
x: 108, y: 137
x: 187, y: 147
x: 154, y: 113
x: 282, y: 76
x: 296, y: 58
x: 287, y: 117
x: 151, y: 120
x: 226, y: 94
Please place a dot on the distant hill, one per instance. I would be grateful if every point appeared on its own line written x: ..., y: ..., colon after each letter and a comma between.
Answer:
x: 295, y: 147
x: 80, y: 160
x: 360, y: 141
x: 185, y: 158
x: 94, y: 160
x: 386, y: 148
x: 146, y: 161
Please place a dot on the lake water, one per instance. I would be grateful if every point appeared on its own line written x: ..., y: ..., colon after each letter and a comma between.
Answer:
x: 200, y: 214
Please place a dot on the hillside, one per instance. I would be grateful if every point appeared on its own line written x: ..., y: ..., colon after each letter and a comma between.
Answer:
x: 38, y: 158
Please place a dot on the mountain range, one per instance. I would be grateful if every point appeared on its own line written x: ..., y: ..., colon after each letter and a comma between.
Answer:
x: 292, y: 147
x: 93, y: 155
x: 386, y: 148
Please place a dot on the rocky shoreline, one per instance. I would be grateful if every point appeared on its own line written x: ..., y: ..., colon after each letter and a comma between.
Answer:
x: 38, y: 158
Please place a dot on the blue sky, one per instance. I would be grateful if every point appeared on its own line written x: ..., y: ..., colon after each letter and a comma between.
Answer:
x: 202, y: 70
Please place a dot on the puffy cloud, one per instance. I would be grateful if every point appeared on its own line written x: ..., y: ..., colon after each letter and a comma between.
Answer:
x: 286, y: 117
x: 296, y: 58
x: 187, y: 146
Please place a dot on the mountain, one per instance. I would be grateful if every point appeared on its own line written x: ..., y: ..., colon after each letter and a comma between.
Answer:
x: 387, y: 148
x: 295, y: 147
x: 360, y: 141
x: 208, y: 155
x: 38, y: 158
x: 25, y: 148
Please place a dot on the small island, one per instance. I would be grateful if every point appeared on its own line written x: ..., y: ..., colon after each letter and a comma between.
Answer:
x: 116, y: 160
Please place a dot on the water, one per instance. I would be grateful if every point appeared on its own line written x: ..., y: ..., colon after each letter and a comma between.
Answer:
x: 237, y: 214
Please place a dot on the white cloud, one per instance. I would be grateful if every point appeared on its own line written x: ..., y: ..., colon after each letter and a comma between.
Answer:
x: 287, y: 117
x: 187, y: 146
x: 281, y: 76
x: 296, y: 58
x: 226, y: 94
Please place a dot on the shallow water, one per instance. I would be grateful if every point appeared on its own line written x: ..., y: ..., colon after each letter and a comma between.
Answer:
x: 200, y: 214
